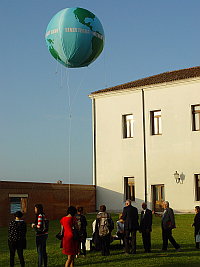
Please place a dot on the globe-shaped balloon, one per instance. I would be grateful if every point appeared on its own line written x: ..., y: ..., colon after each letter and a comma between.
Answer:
x: 75, y: 37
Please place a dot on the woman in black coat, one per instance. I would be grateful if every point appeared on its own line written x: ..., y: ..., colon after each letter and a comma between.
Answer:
x: 17, y: 238
x: 82, y: 223
x: 196, y: 224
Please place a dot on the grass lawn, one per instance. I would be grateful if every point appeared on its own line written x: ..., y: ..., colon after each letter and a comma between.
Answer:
x: 183, y: 234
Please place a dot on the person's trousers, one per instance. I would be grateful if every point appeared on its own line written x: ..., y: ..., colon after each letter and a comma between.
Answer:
x: 146, y: 237
x: 41, y: 249
x: 133, y: 240
x: 121, y: 235
x: 13, y: 246
x: 167, y: 235
x: 81, y: 240
x: 105, y: 245
x: 196, y: 244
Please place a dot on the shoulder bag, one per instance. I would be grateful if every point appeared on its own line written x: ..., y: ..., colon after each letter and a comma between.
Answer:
x: 74, y: 231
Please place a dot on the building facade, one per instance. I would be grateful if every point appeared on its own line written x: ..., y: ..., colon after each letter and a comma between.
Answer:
x: 146, y: 142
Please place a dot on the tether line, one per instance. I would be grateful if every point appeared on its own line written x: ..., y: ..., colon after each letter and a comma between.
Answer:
x: 70, y: 121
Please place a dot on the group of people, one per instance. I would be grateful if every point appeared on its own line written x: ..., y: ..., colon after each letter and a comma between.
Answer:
x: 75, y: 221
x: 128, y: 223
x: 17, y: 236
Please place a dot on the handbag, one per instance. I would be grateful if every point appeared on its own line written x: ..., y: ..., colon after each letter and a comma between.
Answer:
x: 74, y: 231
x: 60, y: 236
x: 198, y: 238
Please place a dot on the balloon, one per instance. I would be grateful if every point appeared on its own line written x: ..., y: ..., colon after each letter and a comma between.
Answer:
x: 75, y: 37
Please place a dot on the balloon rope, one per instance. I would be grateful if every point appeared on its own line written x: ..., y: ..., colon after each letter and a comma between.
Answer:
x: 79, y: 87
x: 67, y: 74
x: 70, y: 121
x: 62, y: 78
x: 95, y: 74
x: 57, y: 67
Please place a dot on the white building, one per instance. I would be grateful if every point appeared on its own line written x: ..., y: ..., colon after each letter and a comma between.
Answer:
x: 143, y: 132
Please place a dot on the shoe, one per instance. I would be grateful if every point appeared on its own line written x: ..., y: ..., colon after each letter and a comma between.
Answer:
x: 126, y: 253
x: 178, y: 250
x: 84, y: 256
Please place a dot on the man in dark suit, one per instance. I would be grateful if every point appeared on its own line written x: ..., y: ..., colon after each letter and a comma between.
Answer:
x: 145, y: 227
x: 131, y: 225
x: 196, y: 224
x: 168, y: 223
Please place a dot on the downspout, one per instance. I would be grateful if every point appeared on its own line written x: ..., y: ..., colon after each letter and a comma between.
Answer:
x: 144, y: 146
x: 94, y: 144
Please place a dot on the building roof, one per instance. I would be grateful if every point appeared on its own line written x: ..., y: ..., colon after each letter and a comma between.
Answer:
x: 156, y: 79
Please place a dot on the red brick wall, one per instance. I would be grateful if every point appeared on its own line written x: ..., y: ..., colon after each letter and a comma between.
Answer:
x: 53, y: 197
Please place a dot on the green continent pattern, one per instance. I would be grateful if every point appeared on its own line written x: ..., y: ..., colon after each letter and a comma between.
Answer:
x: 95, y: 51
x: 82, y: 14
x: 53, y: 52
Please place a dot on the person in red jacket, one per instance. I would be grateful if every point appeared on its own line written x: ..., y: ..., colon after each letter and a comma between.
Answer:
x: 69, y: 244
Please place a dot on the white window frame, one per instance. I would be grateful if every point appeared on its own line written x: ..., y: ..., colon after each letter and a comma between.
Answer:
x: 196, y: 117
x: 128, y: 126
x: 129, y: 188
x: 156, y: 122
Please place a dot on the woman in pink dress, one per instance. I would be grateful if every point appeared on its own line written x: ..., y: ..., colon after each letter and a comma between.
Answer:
x: 69, y: 245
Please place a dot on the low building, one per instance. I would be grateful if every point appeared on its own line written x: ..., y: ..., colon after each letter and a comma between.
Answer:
x: 54, y: 198
x: 146, y: 142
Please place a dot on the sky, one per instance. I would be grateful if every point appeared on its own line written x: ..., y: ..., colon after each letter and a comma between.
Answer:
x: 142, y: 38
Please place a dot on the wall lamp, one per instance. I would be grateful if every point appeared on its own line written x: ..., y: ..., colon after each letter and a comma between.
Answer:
x: 177, y: 177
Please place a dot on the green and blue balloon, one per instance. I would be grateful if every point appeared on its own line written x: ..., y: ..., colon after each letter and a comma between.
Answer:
x: 75, y: 37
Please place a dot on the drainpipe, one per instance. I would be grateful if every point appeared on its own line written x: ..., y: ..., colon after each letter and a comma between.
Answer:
x: 94, y: 143
x: 144, y: 146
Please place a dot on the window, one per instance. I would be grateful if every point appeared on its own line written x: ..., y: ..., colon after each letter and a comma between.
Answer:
x: 156, y: 125
x: 127, y: 126
x: 18, y: 202
x: 159, y: 193
x: 158, y: 197
x: 196, y: 117
x: 197, y: 186
x: 129, y: 188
